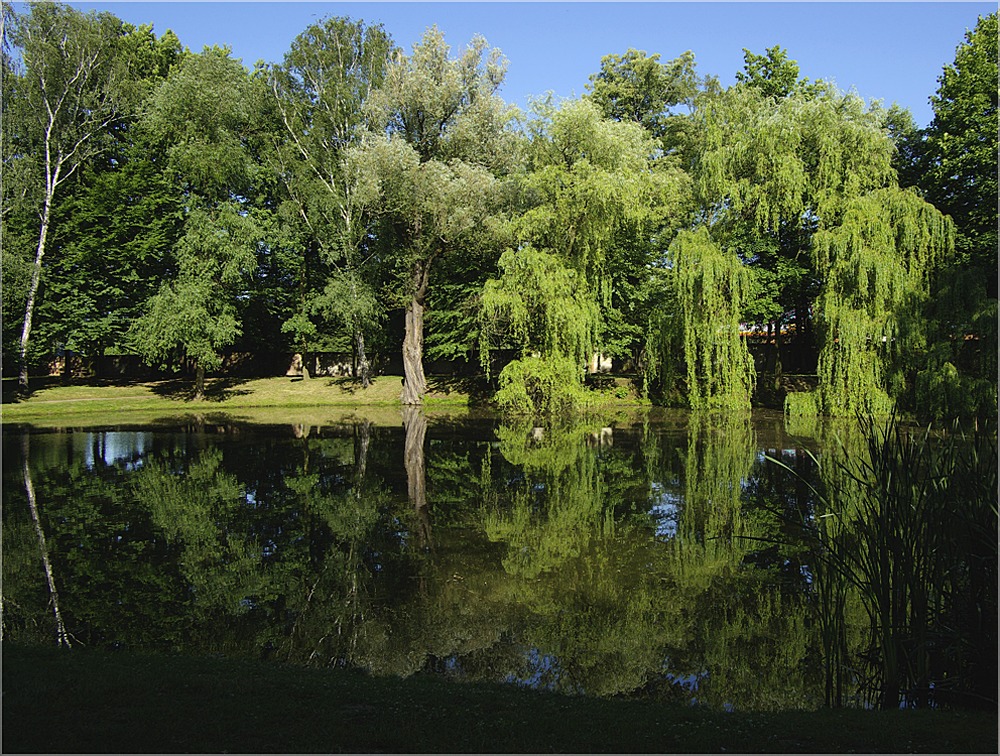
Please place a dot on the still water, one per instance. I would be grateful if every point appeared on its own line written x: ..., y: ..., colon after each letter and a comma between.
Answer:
x: 648, y: 556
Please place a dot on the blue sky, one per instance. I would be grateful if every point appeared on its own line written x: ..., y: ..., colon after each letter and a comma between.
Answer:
x: 891, y: 51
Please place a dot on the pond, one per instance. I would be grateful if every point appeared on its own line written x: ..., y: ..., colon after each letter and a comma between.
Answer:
x: 659, y: 555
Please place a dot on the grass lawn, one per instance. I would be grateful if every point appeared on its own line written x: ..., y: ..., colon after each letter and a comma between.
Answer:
x: 91, y: 701
x: 90, y: 402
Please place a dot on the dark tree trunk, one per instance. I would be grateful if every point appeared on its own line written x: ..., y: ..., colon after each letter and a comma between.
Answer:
x: 199, y: 381
x: 361, y: 369
x: 414, y: 382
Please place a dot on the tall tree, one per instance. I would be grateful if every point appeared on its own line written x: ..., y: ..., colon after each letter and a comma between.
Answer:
x: 591, y: 183
x: 114, y: 227
x: 445, y: 139
x: 956, y: 169
x: 320, y: 90
x: 821, y: 164
x: 961, y: 149
x: 210, y: 113
x: 66, y: 97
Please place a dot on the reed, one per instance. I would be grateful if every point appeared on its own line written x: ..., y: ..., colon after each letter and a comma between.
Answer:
x: 907, y: 525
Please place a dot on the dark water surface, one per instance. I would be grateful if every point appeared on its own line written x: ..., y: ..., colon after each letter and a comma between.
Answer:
x: 654, y: 556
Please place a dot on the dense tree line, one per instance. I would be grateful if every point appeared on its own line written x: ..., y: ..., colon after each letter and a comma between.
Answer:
x: 356, y: 197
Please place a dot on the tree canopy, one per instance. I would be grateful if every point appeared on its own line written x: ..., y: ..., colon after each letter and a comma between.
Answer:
x: 359, y: 198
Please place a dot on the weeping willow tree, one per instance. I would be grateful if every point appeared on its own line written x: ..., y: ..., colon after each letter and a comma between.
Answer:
x: 813, y: 173
x: 589, y: 180
x: 878, y: 263
x: 546, y: 310
x: 709, y: 288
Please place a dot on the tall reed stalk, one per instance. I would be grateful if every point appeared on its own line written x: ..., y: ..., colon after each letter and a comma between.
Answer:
x: 908, y: 520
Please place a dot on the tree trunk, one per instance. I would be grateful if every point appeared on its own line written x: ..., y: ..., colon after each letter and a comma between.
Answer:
x: 414, y: 382
x: 199, y: 382
x: 362, y: 370
x: 415, y: 423
x: 36, y: 277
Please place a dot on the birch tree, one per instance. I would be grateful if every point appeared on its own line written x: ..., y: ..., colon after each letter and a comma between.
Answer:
x: 67, y: 89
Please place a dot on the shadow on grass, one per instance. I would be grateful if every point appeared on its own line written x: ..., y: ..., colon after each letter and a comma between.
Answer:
x: 216, y: 389
x: 477, y: 388
x: 349, y: 385
x: 13, y: 395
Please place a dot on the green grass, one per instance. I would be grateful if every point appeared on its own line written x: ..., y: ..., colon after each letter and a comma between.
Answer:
x: 92, y: 402
x: 96, y: 401
x: 91, y: 701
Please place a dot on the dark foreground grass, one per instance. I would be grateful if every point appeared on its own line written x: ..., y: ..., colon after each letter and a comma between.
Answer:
x: 89, y: 701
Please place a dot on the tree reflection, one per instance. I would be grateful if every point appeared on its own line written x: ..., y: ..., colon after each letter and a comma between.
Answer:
x: 415, y: 423
x: 606, y: 558
x: 62, y: 637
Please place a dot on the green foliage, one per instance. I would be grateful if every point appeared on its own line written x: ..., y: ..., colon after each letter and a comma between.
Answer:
x: 214, y: 160
x: 185, y: 319
x: 116, y: 231
x: 639, y: 88
x: 709, y: 287
x: 314, y: 197
x: 588, y: 177
x: 320, y: 92
x: 350, y: 301
x: 192, y: 316
x: 444, y: 137
x: 774, y: 74
x: 446, y: 108
x: 69, y: 92
x: 204, y: 112
x: 789, y: 160
x: 954, y: 164
x: 593, y: 198
x: 541, y: 385
x: 960, y: 149
x: 538, y: 305
x: 878, y: 263
x: 815, y: 169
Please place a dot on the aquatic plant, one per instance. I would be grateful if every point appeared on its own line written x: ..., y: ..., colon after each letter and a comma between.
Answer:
x: 907, y: 524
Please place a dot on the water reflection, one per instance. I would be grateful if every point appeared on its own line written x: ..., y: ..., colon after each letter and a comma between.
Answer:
x: 652, y: 557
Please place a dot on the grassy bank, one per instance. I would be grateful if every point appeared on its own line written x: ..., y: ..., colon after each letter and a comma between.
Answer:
x: 105, y: 402
x: 89, y: 701
x: 94, y: 401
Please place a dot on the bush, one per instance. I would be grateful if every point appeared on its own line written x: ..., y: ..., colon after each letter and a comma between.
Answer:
x: 541, y: 386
